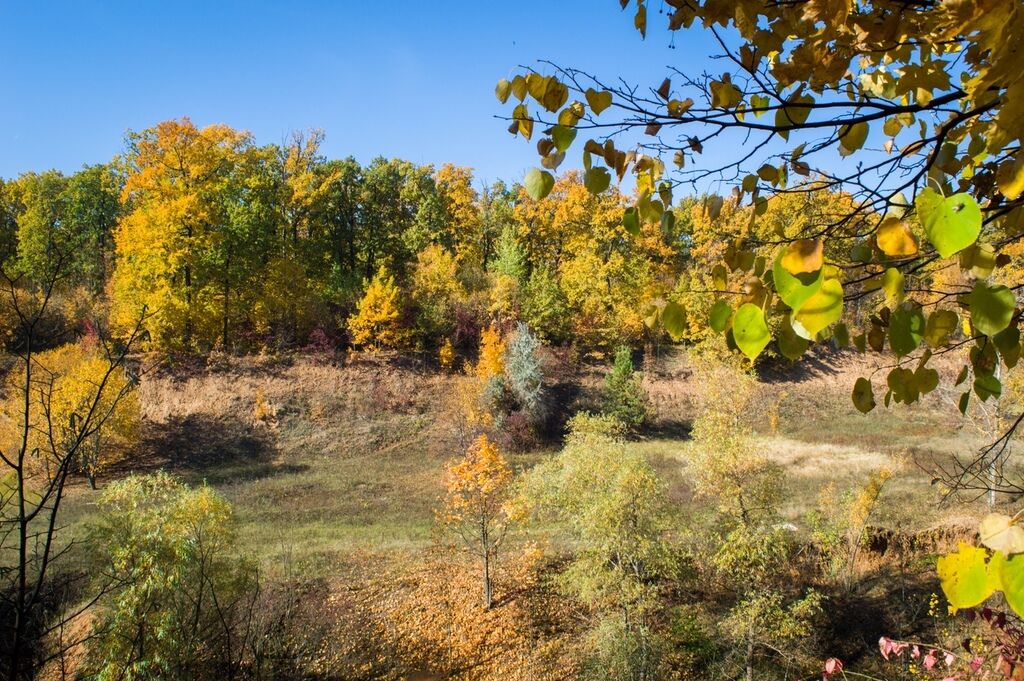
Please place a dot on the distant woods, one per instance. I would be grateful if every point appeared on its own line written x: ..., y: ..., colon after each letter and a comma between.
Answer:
x: 229, y: 244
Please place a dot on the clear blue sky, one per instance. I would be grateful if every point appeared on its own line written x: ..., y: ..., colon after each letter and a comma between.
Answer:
x: 412, y: 79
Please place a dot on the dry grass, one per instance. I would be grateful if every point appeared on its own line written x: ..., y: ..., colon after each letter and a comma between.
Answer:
x: 320, y: 459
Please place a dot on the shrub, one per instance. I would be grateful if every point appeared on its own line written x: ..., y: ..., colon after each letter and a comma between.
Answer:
x: 624, y: 397
x: 377, y: 323
x: 183, y: 598
x: 523, y: 372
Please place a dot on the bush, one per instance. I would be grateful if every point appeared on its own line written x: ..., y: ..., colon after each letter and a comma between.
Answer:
x: 624, y: 397
x: 183, y: 600
x: 523, y: 373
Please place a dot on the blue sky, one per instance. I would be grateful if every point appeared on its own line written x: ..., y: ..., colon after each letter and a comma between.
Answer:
x: 407, y: 78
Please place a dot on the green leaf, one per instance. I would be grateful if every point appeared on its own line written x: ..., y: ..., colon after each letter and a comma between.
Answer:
x: 794, y: 289
x: 927, y: 379
x: 906, y: 329
x: 965, y: 399
x: 965, y: 576
x: 750, y: 331
x: 502, y: 90
x: 790, y: 345
x: 538, y: 183
x: 991, y: 307
x: 863, y: 395
x: 596, y: 180
x: 1007, y: 342
x: 1011, y: 579
x: 986, y: 386
x: 893, y: 282
x: 852, y: 138
x: 631, y: 221
x: 841, y: 335
x: 721, y: 312
x: 562, y: 136
x: 759, y: 103
x: 823, y: 308
x: 673, y: 317
x: 952, y: 223
x: 940, y: 326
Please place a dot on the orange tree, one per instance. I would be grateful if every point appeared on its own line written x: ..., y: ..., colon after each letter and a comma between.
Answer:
x: 914, y: 110
x: 477, y: 487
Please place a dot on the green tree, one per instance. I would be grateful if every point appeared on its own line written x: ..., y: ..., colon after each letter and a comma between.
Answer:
x: 524, y: 375
x: 624, y: 397
x: 614, y: 506
x: 544, y: 306
x: 184, y: 597
x: 752, y: 552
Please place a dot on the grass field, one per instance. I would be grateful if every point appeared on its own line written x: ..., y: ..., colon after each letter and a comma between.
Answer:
x: 320, y: 459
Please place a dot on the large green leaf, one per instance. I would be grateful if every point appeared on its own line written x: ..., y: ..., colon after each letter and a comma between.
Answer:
x: 749, y: 330
x: 906, y: 329
x: 563, y: 136
x: 1011, y: 579
x: 965, y: 576
x: 597, y: 179
x: 823, y: 308
x: 673, y: 318
x: 952, y: 223
x: 791, y: 345
x: 538, y: 183
x: 991, y: 307
x: 631, y: 220
x: 721, y: 312
x: 852, y: 138
x: 794, y: 289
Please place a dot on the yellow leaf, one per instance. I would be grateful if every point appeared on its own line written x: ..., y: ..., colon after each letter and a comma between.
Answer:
x: 1010, y: 177
x: 598, y: 101
x: 895, y: 239
x: 804, y: 255
x: 999, y: 533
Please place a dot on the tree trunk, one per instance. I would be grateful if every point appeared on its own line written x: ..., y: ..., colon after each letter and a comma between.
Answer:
x: 750, y: 653
x: 488, y: 597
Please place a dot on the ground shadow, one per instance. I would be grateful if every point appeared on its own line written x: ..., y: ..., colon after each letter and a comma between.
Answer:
x: 666, y: 429
x: 203, y: 447
x: 820, y: 361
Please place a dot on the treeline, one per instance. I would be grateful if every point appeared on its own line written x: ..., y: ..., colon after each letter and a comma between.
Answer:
x: 222, y: 243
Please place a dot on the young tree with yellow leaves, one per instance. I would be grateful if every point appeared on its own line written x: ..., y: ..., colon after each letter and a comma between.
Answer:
x: 67, y: 378
x: 476, y: 489
x: 377, y: 322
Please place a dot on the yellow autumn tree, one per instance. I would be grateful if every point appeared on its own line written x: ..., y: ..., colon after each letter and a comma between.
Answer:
x: 461, y: 213
x: 175, y: 193
x: 491, y: 362
x: 435, y: 289
x: 477, y: 487
x: 377, y: 322
x: 67, y: 380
